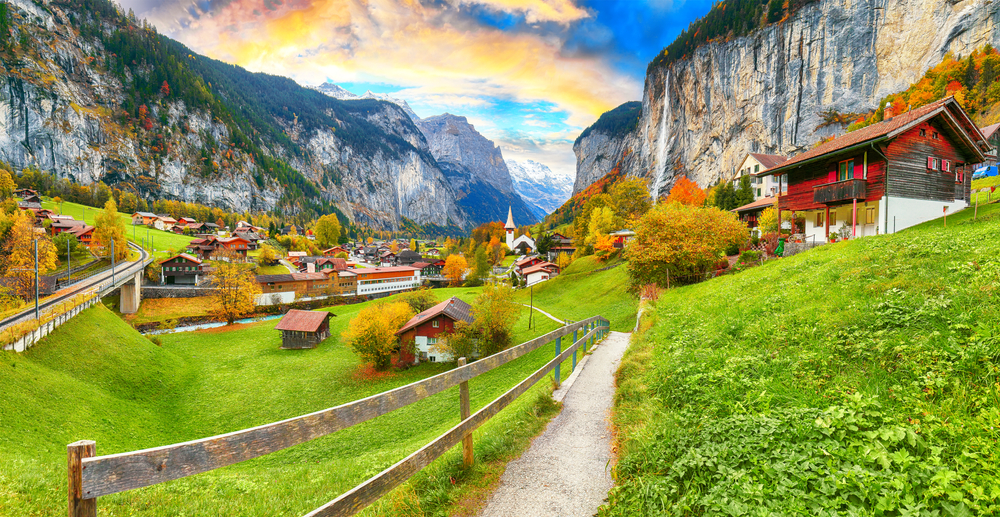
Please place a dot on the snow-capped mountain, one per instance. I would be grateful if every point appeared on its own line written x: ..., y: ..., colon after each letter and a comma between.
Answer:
x: 337, y: 92
x: 543, y: 190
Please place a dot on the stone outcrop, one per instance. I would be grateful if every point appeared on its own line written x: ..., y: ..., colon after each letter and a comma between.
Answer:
x: 765, y: 92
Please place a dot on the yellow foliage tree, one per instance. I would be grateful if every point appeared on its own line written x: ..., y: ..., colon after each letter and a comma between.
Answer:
x: 372, y: 333
x: 7, y: 184
x: 604, y: 247
x: 18, y: 260
x: 327, y: 230
x: 236, y: 290
x: 455, y: 268
x: 563, y: 260
x: 603, y: 221
x: 108, y: 228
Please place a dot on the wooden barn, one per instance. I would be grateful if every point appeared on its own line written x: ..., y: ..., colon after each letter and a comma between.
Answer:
x: 303, y: 329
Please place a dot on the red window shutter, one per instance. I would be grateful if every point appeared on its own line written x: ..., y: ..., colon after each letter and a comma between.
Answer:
x: 859, y: 171
x: 832, y: 176
x: 930, y: 162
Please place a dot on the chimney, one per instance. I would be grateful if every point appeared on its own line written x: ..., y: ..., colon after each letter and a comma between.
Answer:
x: 889, y: 112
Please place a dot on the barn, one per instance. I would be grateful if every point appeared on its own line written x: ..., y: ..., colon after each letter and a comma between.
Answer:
x: 303, y: 329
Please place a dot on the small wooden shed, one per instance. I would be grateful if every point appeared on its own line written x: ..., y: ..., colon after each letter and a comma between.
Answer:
x: 303, y: 329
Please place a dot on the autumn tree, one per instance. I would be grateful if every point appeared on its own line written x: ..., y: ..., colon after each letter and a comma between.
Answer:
x: 268, y: 255
x: 455, y: 268
x: 496, y: 250
x: 563, y: 260
x: 108, y: 228
x: 419, y: 300
x: 674, y: 242
x: 495, y: 312
x: 165, y: 88
x: 236, y: 290
x: 686, y: 192
x: 630, y: 199
x: 7, y: 184
x: 327, y: 230
x: 767, y: 221
x: 372, y: 333
x: 604, y: 248
x: 18, y: 259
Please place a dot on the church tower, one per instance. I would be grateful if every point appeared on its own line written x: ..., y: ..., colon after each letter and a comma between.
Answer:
x: 510, y: 227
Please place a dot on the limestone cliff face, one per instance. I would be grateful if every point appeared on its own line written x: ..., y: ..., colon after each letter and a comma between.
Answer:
x: 63, y: 112
x: 765, y: 92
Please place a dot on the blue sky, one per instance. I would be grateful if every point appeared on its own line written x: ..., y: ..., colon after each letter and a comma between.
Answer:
x: 529, y: 74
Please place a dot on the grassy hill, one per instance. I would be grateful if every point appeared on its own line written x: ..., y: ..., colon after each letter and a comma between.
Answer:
x: 96, y: 378
x: 860, y: 378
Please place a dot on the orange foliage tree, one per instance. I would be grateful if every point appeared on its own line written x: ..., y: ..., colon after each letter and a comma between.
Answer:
x: 686, y: 192
x: 455, y: 268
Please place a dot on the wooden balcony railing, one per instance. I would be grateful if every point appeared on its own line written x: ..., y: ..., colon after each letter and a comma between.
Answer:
x: 840, y: 191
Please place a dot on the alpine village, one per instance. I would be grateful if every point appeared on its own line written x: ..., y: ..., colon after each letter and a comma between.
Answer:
x: 703, y: 258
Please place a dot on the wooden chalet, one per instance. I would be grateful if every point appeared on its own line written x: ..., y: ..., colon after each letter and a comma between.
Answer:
x: 303, y: 329
x: 203, y: 247
x: 408, y: 258
x: 622, y: 237
x: 302, y: 284
x: 910, y: 168
x: 181, y: 269
x: 84, y: 234
x: 539, y: 272
x: 64, y: 225
x: 236, y: 244
x: 164, y: 222
x: 424, y: 329
x: 313, y: 264
x: 429, y: 267
x: 527, y: 262
x: 750, y: 212
x: 143, y: 218
x: 330, y: 252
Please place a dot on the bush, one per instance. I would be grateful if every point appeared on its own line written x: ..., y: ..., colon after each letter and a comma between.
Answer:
x: 750, y: 257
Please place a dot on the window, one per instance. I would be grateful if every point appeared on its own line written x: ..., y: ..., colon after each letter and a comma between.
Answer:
x: 833, y: 218
x: 932, y: 163
x: 923, y: 132
x: 946, y: 165
x: 783, y: 179
x: 846, y: 170
x: 935, y: 135
x: 869, y: 216
x: 756, y: 168
x: 819, y: 219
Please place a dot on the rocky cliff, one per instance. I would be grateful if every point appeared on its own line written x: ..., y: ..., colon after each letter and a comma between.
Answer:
x: 80, y: 96
x: 765, y: 92
x: 475, y: 168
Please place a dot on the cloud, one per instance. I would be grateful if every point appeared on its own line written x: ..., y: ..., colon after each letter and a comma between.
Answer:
x: 535, y: 11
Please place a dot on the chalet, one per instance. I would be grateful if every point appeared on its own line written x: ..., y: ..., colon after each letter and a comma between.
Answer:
x: 164, y: 222
x: 336, y: 250
x: 313, y: 264
x: 186, y: 221
x: 253, y: 238
x: 303, y: 329
x: 33, y: 203
x: 429, y: 267
x: 211, y: 227
x: 342, y: 282
x: 84, y: 234
x: 295, y: 256
x: 301, y: 284
x: 883, y: 178
x: 433, y: 252
x: 387, y: 259
x: 381, y: 281
x: 181, y: 269
x: 750, y: 212
x: 527, y: 262
x: 622, y: 237
x: 194, y: 227
x: 144, y: 218
x: 539, y: 272
x: 203, y: 247
x: 559, y: 239
x: 288, y: 230
x: 63, y: 225
x: 424, y: 329
x: 25, y: 193
x: 408, y: 258
x: 237, y: 244
x: 993, y: 139
x: 753, y: 165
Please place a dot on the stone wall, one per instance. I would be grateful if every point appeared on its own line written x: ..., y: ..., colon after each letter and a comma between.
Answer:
x: 153, y: 291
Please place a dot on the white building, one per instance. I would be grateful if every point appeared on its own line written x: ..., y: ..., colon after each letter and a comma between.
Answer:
x: 763, y: 186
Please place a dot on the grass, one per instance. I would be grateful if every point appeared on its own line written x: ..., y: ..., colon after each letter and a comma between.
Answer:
x: 162, y: 241
x: 96, y: 378
x: 169, y: 309
x: 276, y: 269
x: 985, y: 197
x: 79, y: 257
x: 859, y: 378
x: 582, y: 291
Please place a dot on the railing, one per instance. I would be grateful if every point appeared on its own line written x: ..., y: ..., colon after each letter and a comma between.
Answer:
x: 92, y: 476
x: 840, y: 191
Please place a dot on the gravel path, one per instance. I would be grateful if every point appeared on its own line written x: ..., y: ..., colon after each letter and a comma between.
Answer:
x: 566, y: 472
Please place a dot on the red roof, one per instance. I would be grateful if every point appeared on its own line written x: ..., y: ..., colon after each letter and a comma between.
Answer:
x: 544, y: 266
x: 769, y: 160
x: 302, y: 321
x: 989, y: 130
x: 881, y: 130
x: 453, y: 308
x: 760, y: 203
x: 185, y: 256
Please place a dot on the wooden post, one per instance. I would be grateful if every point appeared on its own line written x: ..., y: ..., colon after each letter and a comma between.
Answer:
x: 826, y: 222
x: 854, y: 219
x: 574, y: 360
x: 468, y: 455
x: 976, y: 214
x: 78, y: 506
x: 559, y: 351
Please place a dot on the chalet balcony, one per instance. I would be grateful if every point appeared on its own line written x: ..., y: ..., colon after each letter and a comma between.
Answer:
x: 840, y: 191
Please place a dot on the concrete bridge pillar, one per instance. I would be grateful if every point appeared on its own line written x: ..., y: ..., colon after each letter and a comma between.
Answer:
x: 130, y: 295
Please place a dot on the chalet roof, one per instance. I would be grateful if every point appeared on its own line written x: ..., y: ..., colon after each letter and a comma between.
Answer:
x: 419, y: 265
x: 144, y: 214
x: 763, y: 202
x: 231, y: 239
x: 989, y: 130
x: 395, y: 269
x: 184, y: 256
x: 248, y: 235
x: 769, y: 160
x: 80, y: 230
x: 525, y: 260
x: 543, y: 266
x: 624, y: 232
x: 290, y: 277
x: 882, y: 130
x: 302, y: 321
x: 211, y: 225
x: 453, y: 308
x: 297, y: 254
x: 409, y: 254
x: 67, y: 223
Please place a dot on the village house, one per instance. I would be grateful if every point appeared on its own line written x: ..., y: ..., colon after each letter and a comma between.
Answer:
x: 203, y: 247
x: 622, y: 237
x: 763, y: 186
x: 84, y: 235
x: 64, y: 224
x: 993, y: 139
x: 527, y: 262
x: 750, y: 212
x: 164, y: 222
x: 303, y: 329
x: 910, y: 168
x: 181, y: 269
x: 539, y: 273
x: 186, y: 221
x: 375, y: 282
x: 313, y: 264
x: 143, y: 218
x: 330, y: 252
x: 425, y: 329
x: 429, y: 268
x: 387, y: 259
x: 301, y: 284
x: 408, y: 258
x: 237, y: 245
x: 253, y: 238
x: 295, y: 256
x: 342, y: 282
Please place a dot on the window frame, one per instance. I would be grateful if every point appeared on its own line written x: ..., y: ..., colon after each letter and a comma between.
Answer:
x: 845, y: 170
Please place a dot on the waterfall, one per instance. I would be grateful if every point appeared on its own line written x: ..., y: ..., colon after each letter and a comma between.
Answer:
x: 661, y: 141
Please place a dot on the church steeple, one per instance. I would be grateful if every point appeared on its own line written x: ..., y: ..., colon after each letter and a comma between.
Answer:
x: 510, y: 220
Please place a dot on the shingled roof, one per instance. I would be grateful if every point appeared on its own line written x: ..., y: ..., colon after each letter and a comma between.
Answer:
x: 302, y: 321
x: 453, y: 308
x: 875, y: 132
x: 769, y: 160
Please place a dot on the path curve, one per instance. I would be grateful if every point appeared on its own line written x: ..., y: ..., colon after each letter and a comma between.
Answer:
x: 551, y: 317
x: 567, y: 470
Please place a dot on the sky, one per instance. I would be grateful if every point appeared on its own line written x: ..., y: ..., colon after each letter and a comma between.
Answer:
x: 528, y: 74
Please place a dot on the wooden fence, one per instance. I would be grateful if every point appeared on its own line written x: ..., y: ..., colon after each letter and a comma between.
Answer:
x: 93, y: 476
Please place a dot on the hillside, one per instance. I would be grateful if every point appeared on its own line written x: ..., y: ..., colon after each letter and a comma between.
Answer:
x: 94, y: 95
x: 96, y: 378
x: 855, y: 379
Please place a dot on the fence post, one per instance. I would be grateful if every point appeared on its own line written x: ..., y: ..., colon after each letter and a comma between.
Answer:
x: 574, y: 360
x: 558, y: 351
x: 78, y: 506
x: 468, y: 455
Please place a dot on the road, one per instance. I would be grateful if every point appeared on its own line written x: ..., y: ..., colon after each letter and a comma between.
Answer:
x: 100, y: 281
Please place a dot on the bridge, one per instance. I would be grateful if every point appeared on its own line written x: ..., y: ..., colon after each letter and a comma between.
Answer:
x: 24, y: 329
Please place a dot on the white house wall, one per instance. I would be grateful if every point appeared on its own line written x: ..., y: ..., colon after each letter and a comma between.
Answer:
x: 904, y: 212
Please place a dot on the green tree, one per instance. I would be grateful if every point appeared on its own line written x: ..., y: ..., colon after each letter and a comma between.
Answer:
x: 327, y: 230
x: 630, y: 199
x: 481, y: 266
x: 66, y: 243
x: 419, y: 300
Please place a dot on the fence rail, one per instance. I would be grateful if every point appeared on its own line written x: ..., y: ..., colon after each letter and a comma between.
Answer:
x: 92, y: 476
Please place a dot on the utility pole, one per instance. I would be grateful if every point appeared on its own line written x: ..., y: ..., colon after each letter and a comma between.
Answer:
x: 69, y: 263
x: 112, y: 262
x: 531, y: 309
x: 36, y: 279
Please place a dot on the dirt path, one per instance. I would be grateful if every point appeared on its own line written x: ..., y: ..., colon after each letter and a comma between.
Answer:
x: 566, y: 472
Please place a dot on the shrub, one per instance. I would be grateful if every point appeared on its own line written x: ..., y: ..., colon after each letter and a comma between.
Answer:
x: 749, y: 257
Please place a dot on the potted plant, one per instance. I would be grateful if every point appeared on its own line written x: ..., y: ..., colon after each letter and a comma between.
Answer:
x: 833, y: 236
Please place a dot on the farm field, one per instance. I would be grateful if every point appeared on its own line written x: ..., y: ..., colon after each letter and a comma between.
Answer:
x: 859, y: 378
x: 162, y: 241
x: 96, y: 378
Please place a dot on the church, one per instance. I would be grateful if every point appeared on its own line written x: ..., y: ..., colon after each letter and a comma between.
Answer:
x: 523, y: 244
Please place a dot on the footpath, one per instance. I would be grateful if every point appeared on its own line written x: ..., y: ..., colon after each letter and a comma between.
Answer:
x: 567, y: 470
